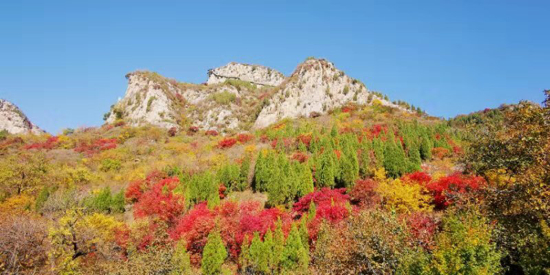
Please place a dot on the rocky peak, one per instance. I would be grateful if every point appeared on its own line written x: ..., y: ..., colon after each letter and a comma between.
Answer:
x: 315, y: 87
x: 13, y: 120
x: 255, y: 74
x: 239, y: 97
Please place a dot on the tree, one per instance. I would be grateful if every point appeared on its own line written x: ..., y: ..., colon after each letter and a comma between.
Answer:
x: 294, y: 257
x: 180, y: 260
x: 464, y: 246
x: 22, y: 172
x: 214, y: 254
x: 258, y: 256
x: 325, y: 169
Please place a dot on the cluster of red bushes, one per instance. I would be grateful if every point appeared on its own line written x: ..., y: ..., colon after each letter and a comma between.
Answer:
x: 445, y: 189
x: 49, y: 144
x: 299, y: 156
x: 226, y: 143
x: 97, y: 146
x: 305, y: 139
x: 244, y: 138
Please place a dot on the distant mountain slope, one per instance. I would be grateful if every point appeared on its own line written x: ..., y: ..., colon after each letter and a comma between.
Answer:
x: 239, y: 97
x: 13, y: 120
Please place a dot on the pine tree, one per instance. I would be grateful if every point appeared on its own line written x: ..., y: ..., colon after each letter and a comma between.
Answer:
x: 364, y: 160
x: 378, y: 147
x: 325, y: 169
x: 269, y: 244
x: 243, y: 174
x: 394, y: 158
x: 258, y: 255
x: 304, y: 234
x: 414, y: 161
x: 180, y: 260
x: 304, y: 179
x: 214, y: 254
x: 426, y: 147
x: 294, y: 258
x: 278, y: 245
x: 349, y: 164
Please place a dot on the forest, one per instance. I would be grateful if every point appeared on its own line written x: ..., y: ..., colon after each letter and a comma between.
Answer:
x: 361, y: 190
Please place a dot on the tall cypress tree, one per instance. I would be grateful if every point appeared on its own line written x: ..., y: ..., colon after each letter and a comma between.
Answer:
x: 258, y: 255
x: 214, y: 254
x: 364, y: 160
x: 180, y: 260
x: 426, y: 147
x: 243, y: 173
x: 269, y: 244
x: 325, y: 169
x: 278, y: 246
x: 294, y: 258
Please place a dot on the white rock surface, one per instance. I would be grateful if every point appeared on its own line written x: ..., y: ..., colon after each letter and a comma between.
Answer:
x: 13, y: 120
x: 256, y: 74
x: 315, y: 86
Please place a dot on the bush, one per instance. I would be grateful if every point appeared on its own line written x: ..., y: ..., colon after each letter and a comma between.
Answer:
x: 224, y: 97
x: 226, y: 143
x: 110, y: 165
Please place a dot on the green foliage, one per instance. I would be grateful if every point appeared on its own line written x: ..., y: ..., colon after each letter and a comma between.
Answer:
x: 258, y: 256
x: 243, y: 174
x: 464, y: 246
x: 240, y: 84
x: 110, y: 165
x: 394, y: 158
x: 224, y: 97
x: 180, y: 260
x: 229, y: 175
x: 104, y: 201
x: 42, y: 198
x: 213, y: 255
x: 202, y: 187
x: 294, y: 257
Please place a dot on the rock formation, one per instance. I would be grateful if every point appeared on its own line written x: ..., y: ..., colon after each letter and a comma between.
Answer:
x: 14, y: 121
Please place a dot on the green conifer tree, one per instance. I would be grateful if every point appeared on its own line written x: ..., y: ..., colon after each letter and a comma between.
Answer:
x: 258, y: 255
x: 243, y: 174
x: 294, y: 258
x: 214, y: 254
x: 180, y: 260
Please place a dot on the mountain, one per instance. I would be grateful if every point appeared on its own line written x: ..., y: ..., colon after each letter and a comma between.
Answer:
x: 14, y: 121
x: 239, y: 97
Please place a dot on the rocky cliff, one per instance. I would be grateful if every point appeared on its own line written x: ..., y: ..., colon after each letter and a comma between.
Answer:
x: 13, y: 120
x: 255, y: 74
x: 239, y: 97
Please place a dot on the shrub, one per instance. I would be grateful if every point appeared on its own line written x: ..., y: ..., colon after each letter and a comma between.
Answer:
x: 224, y: 97
x: 244, y: 138
x: 110, y: 165
x: 160, y: 202
x: 226, y: 143
x: 364, y: 193
x: 448, y: 189
x: 404, y: 197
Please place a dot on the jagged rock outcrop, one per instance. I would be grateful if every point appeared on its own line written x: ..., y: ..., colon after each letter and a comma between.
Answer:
x: 13, y: 120
x: 315, y: 87
x: 256, y: 74
x: 239, y: 97
x: 153, y: 99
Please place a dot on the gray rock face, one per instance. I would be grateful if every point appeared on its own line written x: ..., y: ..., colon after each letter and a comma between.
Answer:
x: 14, y: 121
x: 259, y: 97
x: 258, y: 75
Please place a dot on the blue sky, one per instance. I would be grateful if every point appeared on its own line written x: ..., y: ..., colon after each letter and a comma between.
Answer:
x: 63, y: 62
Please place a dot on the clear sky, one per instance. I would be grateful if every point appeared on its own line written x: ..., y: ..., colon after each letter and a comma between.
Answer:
x: 63, y: 62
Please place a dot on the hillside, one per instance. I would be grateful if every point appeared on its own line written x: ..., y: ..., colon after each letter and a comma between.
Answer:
x: 361, y: 186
